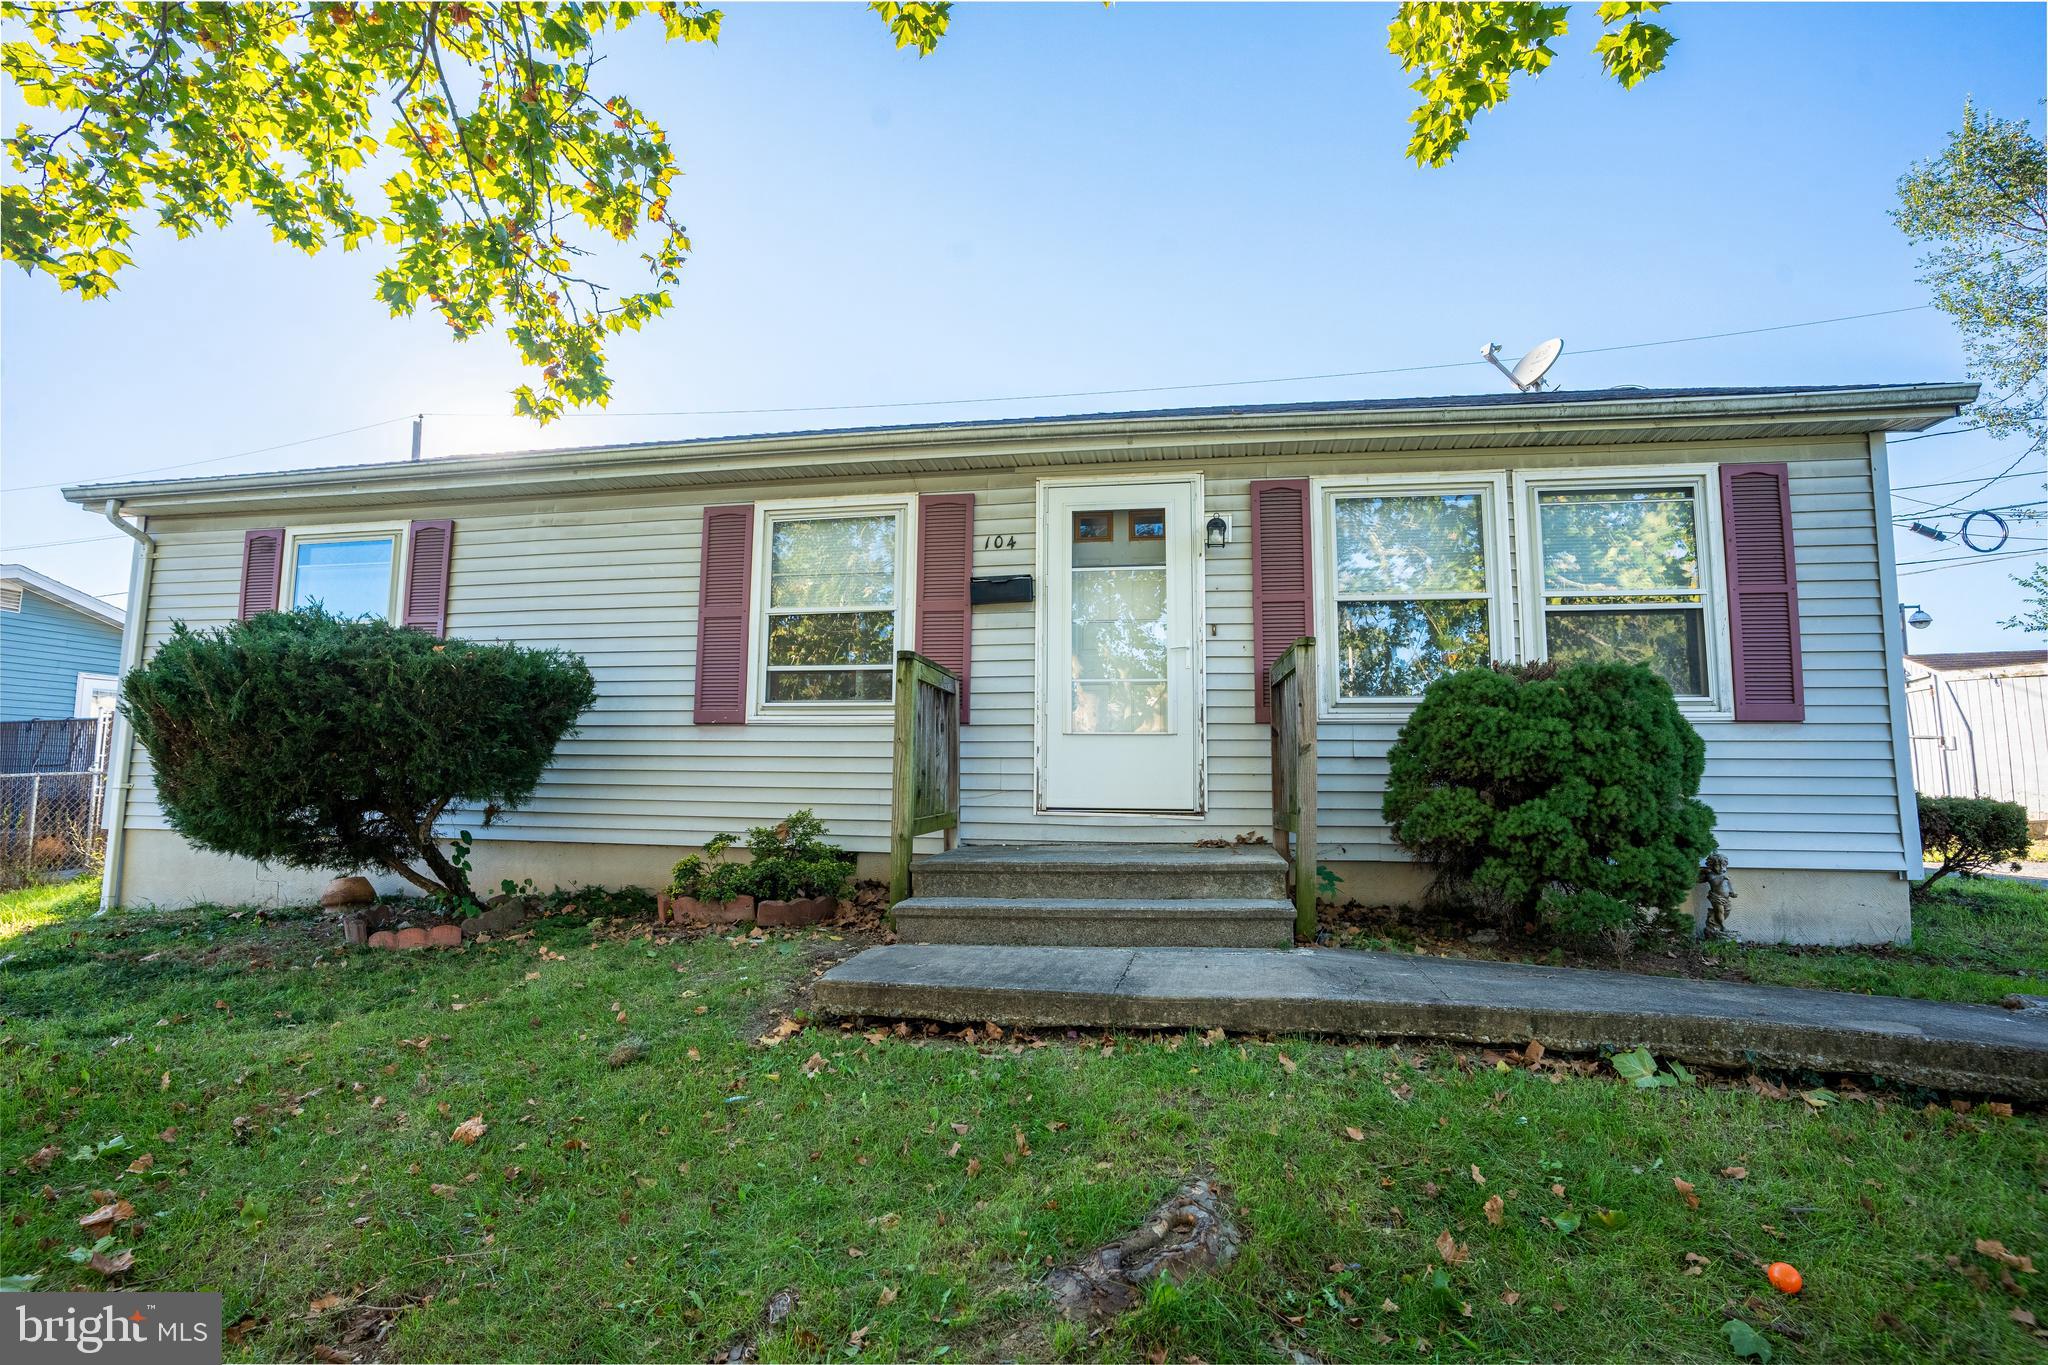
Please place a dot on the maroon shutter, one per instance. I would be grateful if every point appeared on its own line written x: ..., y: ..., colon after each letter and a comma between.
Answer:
x: 945, y: 571
x: 724, y: 602
x: 428, y: 549
x: 1282, y: 601
x: 262, y: 568
x: 1763, y: 592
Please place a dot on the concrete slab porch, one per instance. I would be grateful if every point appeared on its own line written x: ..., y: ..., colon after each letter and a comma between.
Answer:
x: 1978, y: 1049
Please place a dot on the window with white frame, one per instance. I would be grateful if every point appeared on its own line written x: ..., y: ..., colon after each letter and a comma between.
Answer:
x: 831, y: 606
x: 1623, y: 577
x: 1412, y: 571
x: 349, y: 573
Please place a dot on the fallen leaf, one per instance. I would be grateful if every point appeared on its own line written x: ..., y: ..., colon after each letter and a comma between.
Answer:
x: 329, y: 1356
x: 1023, y: 1147
x: 814, y: 1063
x: 233, y: 1333
x: 1287, y: 1064
x: 1696, y: 1264
x: 886, y: 1297
x: 1533, y: 1053
x: 1450, y: 1249
x: 1389, y: 1306
x: 142, y: 1164
x: 855, y: 1252
x: 1997, y: 1252
x: 1509, y: 1296
x: 116, y: 1264
x: 1692, y: 1201
x: 1495, y: 1208
x: 1736, y: 1172
x: 786, y: 1029
x: 1477, y: 1178
x: 973, y: 1167
x: 106, y: 1215
x: 43, y: 1157
x: 2022, y: 1317
x: 1557, y: 1190
x: 445, y: 1191
x: 469, y: 1130
x: 323, y: 1304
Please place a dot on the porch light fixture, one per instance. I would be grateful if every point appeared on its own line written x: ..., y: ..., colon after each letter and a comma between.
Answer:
x: 1217, y: 533
x: 1915, y: 615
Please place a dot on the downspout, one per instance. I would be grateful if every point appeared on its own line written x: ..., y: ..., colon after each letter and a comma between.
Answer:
x: 123, y: 747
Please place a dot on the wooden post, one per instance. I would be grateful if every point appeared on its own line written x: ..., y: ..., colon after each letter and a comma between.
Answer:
x: 1305, y: 673
x: 1293, y: 692
x: 903, y: 778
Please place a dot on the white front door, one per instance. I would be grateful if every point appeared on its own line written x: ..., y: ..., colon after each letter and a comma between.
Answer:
x: 1121, y: 722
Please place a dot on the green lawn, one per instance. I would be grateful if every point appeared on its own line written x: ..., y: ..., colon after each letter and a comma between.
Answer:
x: 293, y: 1104
x: 1976, y: 941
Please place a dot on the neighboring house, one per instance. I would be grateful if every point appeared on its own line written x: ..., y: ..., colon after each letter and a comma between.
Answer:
x: 60, y: 649
x: 1980, y: 726
x: 1113, y: 588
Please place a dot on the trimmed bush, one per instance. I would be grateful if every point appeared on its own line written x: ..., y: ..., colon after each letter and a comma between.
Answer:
x: 1566, y: 795
x: 1971, y: 835
x: 300, y: 739
x: 790, y: 861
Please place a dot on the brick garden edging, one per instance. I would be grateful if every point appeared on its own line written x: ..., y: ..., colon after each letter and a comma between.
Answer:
x: 768, y: 914
x: 377, y: 926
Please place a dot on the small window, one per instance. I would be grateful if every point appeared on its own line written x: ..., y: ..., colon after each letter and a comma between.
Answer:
x: 832, y: 600
x: 1410, y: 578
x: 1621, y: 580
x: 351, y: 577
x: 1148, y: 524
x: 1094, y: 527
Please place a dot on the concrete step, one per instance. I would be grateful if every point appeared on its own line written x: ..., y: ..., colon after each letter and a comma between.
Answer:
x: 1252, y: 923
x: 1979, y: 1049
x: 1103, y: 872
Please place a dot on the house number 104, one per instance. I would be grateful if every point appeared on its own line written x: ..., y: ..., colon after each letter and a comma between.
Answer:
x: 999, y: 542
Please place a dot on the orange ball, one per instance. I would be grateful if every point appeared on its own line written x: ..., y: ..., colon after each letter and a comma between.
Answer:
x: 1784, y: 1278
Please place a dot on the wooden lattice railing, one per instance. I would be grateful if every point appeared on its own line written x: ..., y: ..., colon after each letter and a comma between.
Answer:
x: 925, y: 792
x: 1293, y: 681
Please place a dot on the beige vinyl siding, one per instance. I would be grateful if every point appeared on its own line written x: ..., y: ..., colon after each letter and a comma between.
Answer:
x: 614, y: 578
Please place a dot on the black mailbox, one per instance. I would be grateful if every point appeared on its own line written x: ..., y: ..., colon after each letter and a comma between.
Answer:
x: 1014, y: 587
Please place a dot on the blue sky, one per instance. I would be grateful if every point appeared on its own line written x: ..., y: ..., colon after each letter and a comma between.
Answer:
x: 1067, y: 197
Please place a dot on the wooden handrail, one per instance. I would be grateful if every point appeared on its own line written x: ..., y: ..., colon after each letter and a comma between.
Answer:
x: 1293, y: 681
x: 925, y: 783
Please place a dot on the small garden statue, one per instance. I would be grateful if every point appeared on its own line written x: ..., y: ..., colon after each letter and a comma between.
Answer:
x: 1720, y: 891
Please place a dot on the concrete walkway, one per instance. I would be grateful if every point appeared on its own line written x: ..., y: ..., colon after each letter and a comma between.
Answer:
x: 1979, y: 1049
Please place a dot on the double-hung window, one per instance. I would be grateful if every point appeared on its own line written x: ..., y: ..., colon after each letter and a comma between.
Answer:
x: 831, y: 607
x: 1415, y: 584
x: 350, y: 573
x: 1622, y: 577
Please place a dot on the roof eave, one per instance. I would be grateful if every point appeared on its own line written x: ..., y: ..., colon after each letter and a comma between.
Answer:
x: 1897, y: 408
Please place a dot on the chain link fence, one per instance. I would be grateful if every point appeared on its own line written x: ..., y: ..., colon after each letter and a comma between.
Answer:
x: 52, y: 797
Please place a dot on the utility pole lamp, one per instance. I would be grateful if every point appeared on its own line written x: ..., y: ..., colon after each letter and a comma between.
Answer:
x: 1914, y: 615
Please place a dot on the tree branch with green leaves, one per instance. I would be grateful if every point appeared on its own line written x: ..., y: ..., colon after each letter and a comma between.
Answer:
x: 512, y: 193
x: 1467, y: 55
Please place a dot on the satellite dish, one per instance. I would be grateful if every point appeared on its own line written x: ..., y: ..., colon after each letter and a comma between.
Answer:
x: 1530, y: 369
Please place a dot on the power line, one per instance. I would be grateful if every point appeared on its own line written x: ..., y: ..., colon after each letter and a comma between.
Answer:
x: 1211, y: 384
x: 2005, y: 473
x: 51, y: 544
x: 1950, y: 483
x: 1024, y: 398
x: 1908, y: 566
x: 223, y: 459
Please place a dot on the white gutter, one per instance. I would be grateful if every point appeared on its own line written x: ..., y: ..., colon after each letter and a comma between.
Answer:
x: 122, y: 750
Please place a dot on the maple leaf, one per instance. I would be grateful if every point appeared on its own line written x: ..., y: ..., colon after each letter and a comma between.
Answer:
x: 469, y: 1130
x: 1451, y: 1249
